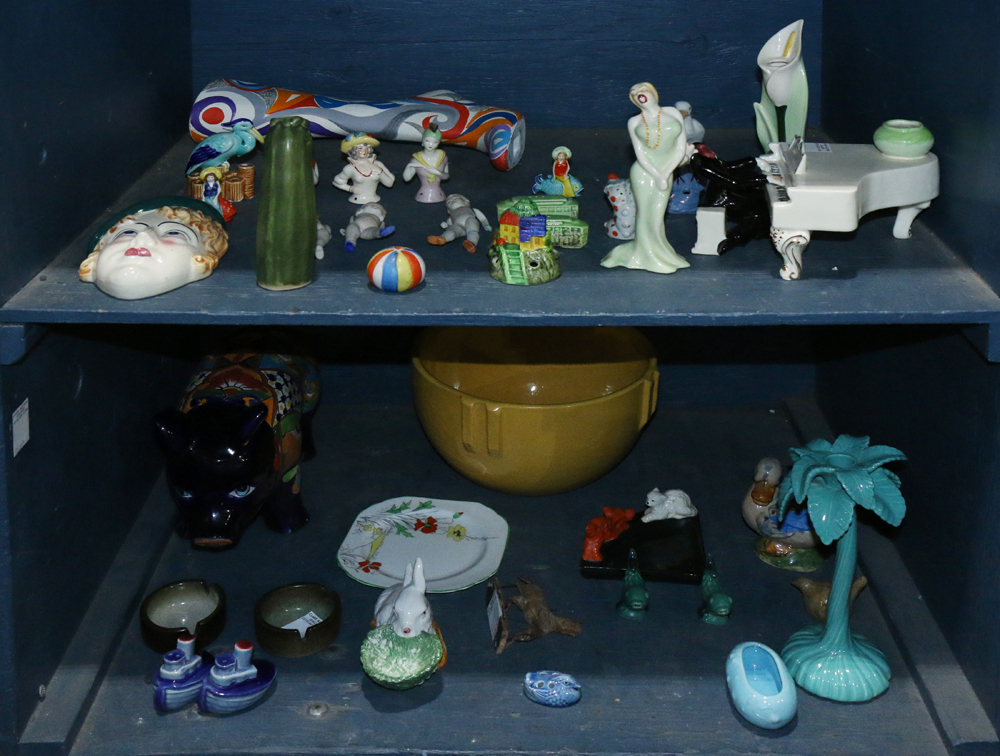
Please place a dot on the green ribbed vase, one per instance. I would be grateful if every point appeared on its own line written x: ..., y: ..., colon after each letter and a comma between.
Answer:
x: 286, y: 226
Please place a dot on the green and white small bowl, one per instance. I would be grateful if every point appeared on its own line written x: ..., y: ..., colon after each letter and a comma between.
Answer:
x: 400, y: 663
x: 903, y: 139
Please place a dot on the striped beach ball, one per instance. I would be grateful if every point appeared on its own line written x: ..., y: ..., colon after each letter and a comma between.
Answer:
x: 396, y: 269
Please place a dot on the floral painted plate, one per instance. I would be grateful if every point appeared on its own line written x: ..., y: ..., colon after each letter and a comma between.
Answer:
x: 461, y: 543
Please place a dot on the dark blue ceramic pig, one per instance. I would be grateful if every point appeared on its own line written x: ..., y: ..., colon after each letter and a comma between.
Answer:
x: 234, y: 446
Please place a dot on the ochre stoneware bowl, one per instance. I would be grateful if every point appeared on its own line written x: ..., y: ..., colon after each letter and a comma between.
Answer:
x: 533, y: 411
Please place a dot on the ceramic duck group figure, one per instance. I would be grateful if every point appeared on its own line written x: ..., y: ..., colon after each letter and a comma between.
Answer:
x: 789, y: 543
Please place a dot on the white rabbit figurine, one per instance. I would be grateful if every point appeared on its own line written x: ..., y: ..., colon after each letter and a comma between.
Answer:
x: 404, y: 605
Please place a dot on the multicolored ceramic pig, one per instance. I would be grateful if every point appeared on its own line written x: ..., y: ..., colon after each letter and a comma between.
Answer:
x: 234, y: 446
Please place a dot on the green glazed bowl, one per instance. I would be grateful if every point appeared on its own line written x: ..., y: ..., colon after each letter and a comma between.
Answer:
x: 903, y: 139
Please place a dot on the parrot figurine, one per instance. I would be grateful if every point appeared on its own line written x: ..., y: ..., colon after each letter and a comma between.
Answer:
x: 219, y: 149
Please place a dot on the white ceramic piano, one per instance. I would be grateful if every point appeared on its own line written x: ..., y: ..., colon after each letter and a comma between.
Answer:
x: 830, y: 187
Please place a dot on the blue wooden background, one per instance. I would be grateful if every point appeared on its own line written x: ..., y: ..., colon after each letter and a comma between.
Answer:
x: 561, y: 63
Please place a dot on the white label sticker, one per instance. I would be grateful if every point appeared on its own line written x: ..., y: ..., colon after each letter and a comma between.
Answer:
x: 19, y: 427
x: 818, y: 147
x: 493, y: 612
x: 303, y: 623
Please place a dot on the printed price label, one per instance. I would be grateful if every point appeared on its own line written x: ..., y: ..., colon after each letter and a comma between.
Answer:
x: 303, y: 623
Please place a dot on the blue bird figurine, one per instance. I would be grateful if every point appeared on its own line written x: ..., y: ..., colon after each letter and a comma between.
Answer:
x: 219, y: 149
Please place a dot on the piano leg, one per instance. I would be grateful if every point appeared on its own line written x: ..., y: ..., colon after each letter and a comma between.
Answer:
x: 790, y: 245
x: 904, y: 219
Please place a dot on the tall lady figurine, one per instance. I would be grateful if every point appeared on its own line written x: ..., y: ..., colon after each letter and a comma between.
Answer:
x: 660, y: 145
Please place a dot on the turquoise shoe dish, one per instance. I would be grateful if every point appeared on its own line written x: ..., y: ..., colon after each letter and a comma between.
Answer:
x: 762, y: 690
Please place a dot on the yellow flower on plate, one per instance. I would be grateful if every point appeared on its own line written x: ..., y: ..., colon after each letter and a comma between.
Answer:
x: 456, y: 532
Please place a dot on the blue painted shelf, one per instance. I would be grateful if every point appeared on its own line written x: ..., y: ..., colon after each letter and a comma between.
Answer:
x: 867, y: 277
x: 656, y: 686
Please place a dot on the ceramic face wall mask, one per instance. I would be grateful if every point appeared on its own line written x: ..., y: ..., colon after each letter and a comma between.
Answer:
x: 155, y: 247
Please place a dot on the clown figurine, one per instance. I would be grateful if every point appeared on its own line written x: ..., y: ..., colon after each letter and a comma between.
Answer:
x: 363, y: 173
x: 430, y: 165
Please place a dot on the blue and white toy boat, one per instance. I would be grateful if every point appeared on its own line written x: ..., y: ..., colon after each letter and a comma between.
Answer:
x: 234, y: 682
x: 762, y: 690
x: 181, y: 675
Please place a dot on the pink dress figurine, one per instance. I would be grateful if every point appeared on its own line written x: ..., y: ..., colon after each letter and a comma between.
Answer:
x: 363, y: 173
x: 430, y: 166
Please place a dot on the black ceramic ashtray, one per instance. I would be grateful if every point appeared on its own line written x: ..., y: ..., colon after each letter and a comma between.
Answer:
x: 297, y: 620
x: 187, y: 607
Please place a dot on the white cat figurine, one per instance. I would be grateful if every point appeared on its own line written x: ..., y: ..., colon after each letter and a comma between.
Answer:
x: 671, y: 505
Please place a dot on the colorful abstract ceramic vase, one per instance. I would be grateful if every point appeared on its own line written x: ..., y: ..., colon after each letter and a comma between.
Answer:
x: 832, y: 479
x: 234, y: 446
x: 763, y: 692
x: 179, y: 679
x: 235, y: 682
x: 286, y: 224
x: 550, y: 688
x: 903, y: 139
x: 499, y: 132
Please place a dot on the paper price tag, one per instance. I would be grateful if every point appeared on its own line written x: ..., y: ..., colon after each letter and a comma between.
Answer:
x: 303, y: 623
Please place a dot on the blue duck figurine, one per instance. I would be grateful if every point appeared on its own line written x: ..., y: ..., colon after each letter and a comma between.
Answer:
x: 219, y: 149
x: 549, y: 688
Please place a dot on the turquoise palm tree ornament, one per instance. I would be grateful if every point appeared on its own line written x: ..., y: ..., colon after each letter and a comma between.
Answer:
x: 832, y: 479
